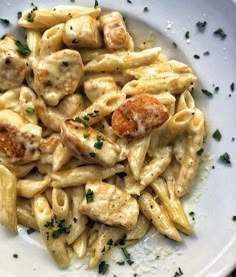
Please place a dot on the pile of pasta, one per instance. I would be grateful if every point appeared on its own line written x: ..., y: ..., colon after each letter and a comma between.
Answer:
x: 98, y: 140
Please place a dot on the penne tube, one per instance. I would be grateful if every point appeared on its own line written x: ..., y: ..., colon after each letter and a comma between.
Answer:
x: 42, y: 19
x: 80, y: 245
x: 107, y: 237
x: 156, y: 166
x: 173, y: 83
x: 60, y: 203
x: 33, y: 39
x: 83, y: 174
x: 158, y: 216
x: 75, y: 218
x: 186, y: 102
x: 50, y: 231
x: 190, y: 162
x: 141, y: 228
x: 29, y: 188
x: 60, y: 157
x: 122, y: 60
x: 8, y: 216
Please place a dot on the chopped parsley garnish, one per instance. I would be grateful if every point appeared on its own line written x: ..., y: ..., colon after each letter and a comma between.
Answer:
x: 94, y: 114
x: 22, y: 48
x: 104, y: 249
x: 216, y: 89
x: 99, y: 143
x: 130, y: 2
x: 92, y: 154
x: 207, y: 53
x: 187, y: 35
x: 75, y: 41
x: 72, y: 1
x: 30, y: 17
x: 207, y: 92
x: 75, y: 219
x: 145, y: 9
x: 30, y: 231
x: 201, y: 25
x: 2, y: 37
x: 89, y: 196
x: 225, y: 158
x: 217, y: 135
x: 110, y: 242
x: 232, y: 87
x: 127, y: 256
x: 4, y: 21
x: 121, y: 263
x: 80, y: 120
x: 85, y: 117
x: 179, y: 272
x: 196, y: 57
x: 49, y: 224
x: 219, y: 32
x: 192, y: 214
x: 122, y: 240
x: 86, y: 136
x: 65, y: 63
x: 234, y: 218
x: 200, y: 151
x: 15, y: 256
x: 121, y: 174
x: 62, y: 228
x: 96, y: 5
x: 174, y: 44
x: 30, y: 110
x: 103, y: 267
x: 19, y: 15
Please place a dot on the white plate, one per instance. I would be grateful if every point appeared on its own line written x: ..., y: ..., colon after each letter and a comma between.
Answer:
x: 212, y: 251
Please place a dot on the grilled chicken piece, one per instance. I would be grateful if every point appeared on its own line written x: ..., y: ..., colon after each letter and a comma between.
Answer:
x: 82, y: 32
x: 58, y: 75
x: 138, y: 116
x: 113, y: 26
x: 110, y: 205
x: 89, y: 144
x: 19, y: 139
x: 12, y: 65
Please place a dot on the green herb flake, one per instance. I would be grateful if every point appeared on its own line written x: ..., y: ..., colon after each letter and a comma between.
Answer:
x: 122, y: 240
x: 197, y: 57
x: 62, y: 228
x: 2, y: 37
x: 30, y: 17
x: 19, y: 15
x: 225, y: 158
x: 75, y: 219
x: 99, y: 143
x: 120, y: 262
x: 178, y: 273
x: 232, y: 87
x: 234, y: 218
x: 65, y: 63
x: 96, y: 5
x: 127, y: 256
x: 187, y: 35
x: 80, y: 120
x: 30, y: 110
x: 217, y: 135
x: 103, y: 267
x: 92, y: 154
x: 22, y: 48
x: 30, y: 231
x: 130, y: 2
x: 207, y: 53
x: 110, y: 242
x: 86, y: 136
x: 220, y: 33
x: 49, y: 224
x: 85, y: 117
x: 207, y: 92
x: 72, y: 1
x: 4, y: 21
x: 104, y: 249
x: 121, y: 174
x: 201, y: 25
x: 216, y: 89
x: 174, y: 44
x: 89, y: 196
x: 145, y: 9
x: 15, y: 256
x: 200, y: 151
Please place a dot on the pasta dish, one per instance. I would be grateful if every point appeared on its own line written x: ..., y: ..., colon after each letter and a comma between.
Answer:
x: 98, y: 140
